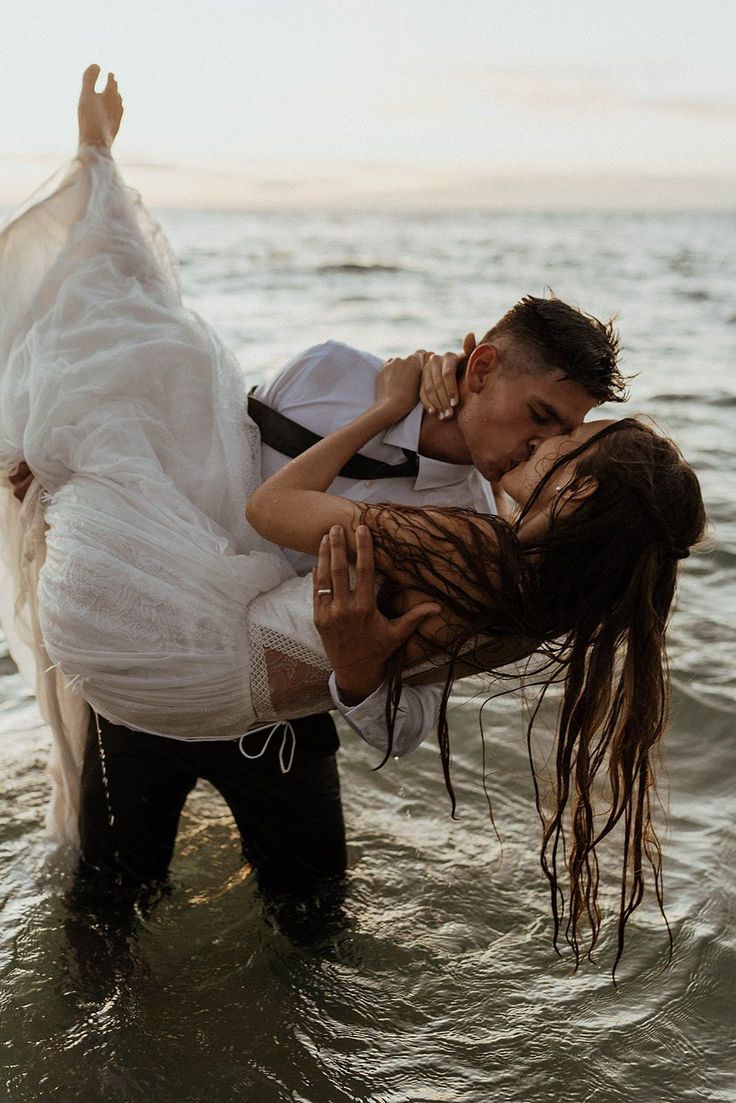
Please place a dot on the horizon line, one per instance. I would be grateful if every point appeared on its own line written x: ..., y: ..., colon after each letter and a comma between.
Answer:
x: 178, y: 186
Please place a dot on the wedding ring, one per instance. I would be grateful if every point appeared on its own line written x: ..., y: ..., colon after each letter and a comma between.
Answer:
x: 324, y: 593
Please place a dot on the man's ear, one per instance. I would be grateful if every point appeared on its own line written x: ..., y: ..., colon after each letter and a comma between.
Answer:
x: 483, y: 364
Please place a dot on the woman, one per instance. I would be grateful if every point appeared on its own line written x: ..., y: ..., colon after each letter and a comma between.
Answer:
x: 161, y: 603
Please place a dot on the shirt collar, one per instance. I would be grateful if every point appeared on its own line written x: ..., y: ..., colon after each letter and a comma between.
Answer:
x: 432, y: 473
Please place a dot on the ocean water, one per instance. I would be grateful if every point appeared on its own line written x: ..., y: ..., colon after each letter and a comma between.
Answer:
x: 437, y: 983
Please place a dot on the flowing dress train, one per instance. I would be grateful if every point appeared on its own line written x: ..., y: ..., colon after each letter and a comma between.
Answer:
x: 134, y: 570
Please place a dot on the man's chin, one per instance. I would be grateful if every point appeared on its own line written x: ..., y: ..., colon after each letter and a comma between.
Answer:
x: 494, y: 474
x: 502, y: 472
x: 506, y: 484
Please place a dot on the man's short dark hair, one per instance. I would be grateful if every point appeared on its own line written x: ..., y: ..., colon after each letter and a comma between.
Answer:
x: 552, y: 335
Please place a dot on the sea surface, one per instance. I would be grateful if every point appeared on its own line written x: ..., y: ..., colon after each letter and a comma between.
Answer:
x: 436, y: 982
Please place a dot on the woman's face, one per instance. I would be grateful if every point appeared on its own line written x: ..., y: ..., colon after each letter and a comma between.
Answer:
x: 521, y: 482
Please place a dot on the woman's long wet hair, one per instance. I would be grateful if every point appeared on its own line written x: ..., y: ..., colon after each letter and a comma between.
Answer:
x: 595, y: 592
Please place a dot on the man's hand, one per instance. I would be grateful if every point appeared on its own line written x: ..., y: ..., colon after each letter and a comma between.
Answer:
x: 439, y: 392
x: 21, y: 480
x: 357, y: 638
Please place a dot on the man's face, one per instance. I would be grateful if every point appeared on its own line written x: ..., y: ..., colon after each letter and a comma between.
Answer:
x: 506, y: 412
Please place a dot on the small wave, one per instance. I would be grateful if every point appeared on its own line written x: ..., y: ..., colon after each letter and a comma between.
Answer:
x: 350, y: 266
x: 722, y: 400
x: 721, y: 556
x: 695, y: 295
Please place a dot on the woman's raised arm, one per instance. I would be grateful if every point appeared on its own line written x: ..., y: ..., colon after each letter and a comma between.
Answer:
x: 292, y: 508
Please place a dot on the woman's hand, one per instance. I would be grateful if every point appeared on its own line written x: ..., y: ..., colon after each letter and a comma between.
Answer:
x: 424, y: 376
x: 397, y: 384
x: 439, y: 392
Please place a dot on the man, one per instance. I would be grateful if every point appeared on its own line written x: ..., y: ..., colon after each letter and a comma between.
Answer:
x: 535, y: 374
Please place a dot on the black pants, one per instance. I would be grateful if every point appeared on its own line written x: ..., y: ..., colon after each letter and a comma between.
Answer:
x: 291, y: 825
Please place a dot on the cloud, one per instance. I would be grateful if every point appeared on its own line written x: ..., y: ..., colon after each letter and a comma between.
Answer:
x: 716, y: 110
x: 588, y: 90
x: 569, y: 89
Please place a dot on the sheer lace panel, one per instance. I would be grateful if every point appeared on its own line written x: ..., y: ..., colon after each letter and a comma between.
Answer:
x: 288, y: 678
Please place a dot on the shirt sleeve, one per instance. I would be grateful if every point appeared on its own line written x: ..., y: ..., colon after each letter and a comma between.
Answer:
x: 323, y: 387
x: 415, y: 720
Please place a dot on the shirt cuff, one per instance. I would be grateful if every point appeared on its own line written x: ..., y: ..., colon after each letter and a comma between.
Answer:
x: 365, y: 708
x: 415, y: 718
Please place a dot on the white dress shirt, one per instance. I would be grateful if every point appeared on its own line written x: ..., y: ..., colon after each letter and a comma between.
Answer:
x: 323, y: 389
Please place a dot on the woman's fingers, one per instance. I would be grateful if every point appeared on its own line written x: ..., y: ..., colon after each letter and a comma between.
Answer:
x: 398, y: 382
x: 428, y: 393
x: 439, y: 389
x: 450, y: 365
x: 439, y: 392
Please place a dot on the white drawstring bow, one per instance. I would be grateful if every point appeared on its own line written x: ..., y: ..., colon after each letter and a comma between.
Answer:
x: 287, y: 739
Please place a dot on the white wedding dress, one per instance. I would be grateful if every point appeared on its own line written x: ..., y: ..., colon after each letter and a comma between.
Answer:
x: 156, y: 600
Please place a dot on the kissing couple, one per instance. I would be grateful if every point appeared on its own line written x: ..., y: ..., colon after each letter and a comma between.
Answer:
x: 161, y: 559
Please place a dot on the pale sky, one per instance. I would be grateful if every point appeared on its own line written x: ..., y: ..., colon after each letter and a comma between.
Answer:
x: 233, y: 102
